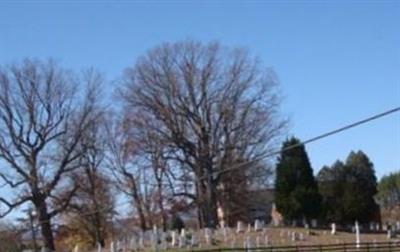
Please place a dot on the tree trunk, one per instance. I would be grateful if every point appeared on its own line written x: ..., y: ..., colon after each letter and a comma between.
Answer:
x: 161, y: 206
x: 139, y: 209
x: 45, y: 225
x: 142, y: 218
x: 208, y: 204
x: 211, y: 203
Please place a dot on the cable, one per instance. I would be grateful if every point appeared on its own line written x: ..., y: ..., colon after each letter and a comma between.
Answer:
x: 313, y: 139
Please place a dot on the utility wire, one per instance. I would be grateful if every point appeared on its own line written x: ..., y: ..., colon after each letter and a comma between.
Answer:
x: 319, y: 137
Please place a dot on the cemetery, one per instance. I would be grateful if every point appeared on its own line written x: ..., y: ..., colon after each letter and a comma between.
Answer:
x: 258, y: 237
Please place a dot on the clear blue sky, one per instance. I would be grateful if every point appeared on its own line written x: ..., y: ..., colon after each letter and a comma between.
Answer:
x: 338, y: 61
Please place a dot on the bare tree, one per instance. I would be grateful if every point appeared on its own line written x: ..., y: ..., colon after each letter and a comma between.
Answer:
x: 93, y: 206
x: 211, y: 105
x: 42, y: 123
x: 126, y: 168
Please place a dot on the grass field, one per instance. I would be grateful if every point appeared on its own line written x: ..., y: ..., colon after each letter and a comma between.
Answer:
x: 283, y: 237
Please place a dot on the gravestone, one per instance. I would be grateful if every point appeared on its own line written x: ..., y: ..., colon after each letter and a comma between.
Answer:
x: 174, y: 241
x: 182, y: 241
x: 141, y: 240
x: 301, y: 237
x: 249, y: 228
x: 247, y: 243
x: 225, y: 233
x: 193, y: 240
x: 357, y: 227
x: 76, y: 249
x: 333, y: 228
x: 391, y: 234
x: 377, y: 227
x: 258, y: 225
x: 240, y: 227
x: 207, y: 236
x: 294, y: 236
x: 118, y: 246
x: 233, y: 242
x: 222, y: 224
x: 266, y: 240
x: 132, y: 243
x: 397, y: 226
x: 112, y: 246
x: 99, y: 247
x: 258, y: 245
x: 314, y: 223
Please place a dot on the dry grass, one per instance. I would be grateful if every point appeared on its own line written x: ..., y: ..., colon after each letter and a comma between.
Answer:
x: 282, y: 237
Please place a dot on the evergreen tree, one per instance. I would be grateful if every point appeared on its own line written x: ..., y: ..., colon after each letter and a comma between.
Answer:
x: 296, y: 192
x: 360, y: 188
x: 331, y: 182
x: 389, y: 190
x: 348, y: 190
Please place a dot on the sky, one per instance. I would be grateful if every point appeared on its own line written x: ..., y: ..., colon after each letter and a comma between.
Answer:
x: 337, y: 61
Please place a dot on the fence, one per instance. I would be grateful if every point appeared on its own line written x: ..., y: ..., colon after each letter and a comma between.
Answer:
x: 347, y: 247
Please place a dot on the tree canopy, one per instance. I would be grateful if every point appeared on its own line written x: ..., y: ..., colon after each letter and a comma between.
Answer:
x: 296, y: 191
x: 389, y: 190
x: 348, y: 190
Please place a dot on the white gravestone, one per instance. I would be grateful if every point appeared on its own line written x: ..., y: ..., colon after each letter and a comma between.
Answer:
x: 258, y: 244
x: 141, y: 240
x: 112, y: 247
x: 240, y: 227
x: 249, y: 228
x: 233, y: 242
x: 193, y: 241
x: 207, y: 236
x: 182, y: 241
x: 333, y: 228
x: 294, y: 236
x: 173, y: 239
x: 314, y: 223
x: 357, y: 227
x: 258, y: 225
x: 247, y: 243
x: 391, y: 234
x: 76, y: 249
x: 225, y: 233
x: 99, y: 247
x: 266, y: 240
x: 183, y: 237
x: 118, y: 245
x: 132, y: 243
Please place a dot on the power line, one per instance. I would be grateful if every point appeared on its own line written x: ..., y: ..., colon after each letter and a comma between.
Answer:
x: 313, y: 139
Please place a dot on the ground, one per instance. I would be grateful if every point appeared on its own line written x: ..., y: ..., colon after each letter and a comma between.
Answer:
x: 283, y: 237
